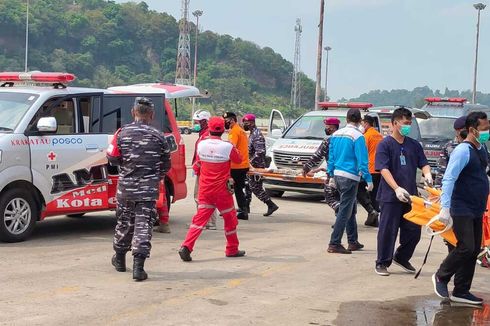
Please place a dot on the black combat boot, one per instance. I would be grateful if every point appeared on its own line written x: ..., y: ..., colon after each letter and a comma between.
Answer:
x: 139, y: 273
x: 242, y: 214
x: 119, y: 262
x: 372, y: 219
x: 271, y: 208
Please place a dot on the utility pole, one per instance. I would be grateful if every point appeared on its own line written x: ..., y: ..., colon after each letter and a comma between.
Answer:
x: 197, y: 14
x: 479, y: 7
x: 318, y: 89
x: 27, y: 36
x: 296, y: 82
x: 327, y: 49
x: 183, y: 70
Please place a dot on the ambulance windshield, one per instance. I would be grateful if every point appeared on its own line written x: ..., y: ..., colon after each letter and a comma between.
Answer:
x: 13, y: 106
x: 309, y: 127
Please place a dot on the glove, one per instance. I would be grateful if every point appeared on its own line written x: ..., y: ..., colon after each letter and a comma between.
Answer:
x: 331, y: 183
x: 402, y: 195
x: 444, y: 216
x: 370, y: 186
x: 428, y: 180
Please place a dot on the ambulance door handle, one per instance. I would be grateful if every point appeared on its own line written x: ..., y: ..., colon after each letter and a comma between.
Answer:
x: 91, y: 148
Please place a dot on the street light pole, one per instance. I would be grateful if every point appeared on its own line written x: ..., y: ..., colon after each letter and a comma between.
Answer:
x: 318, y: 89
x: 27, y: 36
x: 327, y: 49
x: 197, y: 14
x: 479, y: 7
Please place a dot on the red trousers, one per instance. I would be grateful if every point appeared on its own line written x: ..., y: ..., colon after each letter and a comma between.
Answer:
x: 162, y: 206
x: 207, y: 203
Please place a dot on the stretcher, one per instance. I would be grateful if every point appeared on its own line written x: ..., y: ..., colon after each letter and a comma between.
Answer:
x: 423, y: 210
x: 286, y: 175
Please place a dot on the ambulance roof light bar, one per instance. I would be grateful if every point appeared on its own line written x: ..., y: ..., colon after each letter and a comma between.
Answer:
x: 57, y: 79
x: 460, y: 100
x: 348, y: 105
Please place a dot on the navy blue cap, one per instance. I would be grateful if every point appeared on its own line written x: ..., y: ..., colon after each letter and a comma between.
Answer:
x: 460, y: 123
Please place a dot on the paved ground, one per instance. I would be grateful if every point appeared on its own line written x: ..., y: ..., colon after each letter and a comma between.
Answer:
x: 63, y: 276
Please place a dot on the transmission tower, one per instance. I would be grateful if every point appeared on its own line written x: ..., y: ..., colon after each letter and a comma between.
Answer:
x: 183, y: 71
x: 296, y: 83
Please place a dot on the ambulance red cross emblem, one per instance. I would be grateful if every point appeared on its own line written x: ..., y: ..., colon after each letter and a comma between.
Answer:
x: 52, y: 156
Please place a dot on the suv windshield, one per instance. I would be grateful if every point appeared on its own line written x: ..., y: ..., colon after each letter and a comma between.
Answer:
x: 309, y: 127
x: 13, y: 106
x: 437, y: 128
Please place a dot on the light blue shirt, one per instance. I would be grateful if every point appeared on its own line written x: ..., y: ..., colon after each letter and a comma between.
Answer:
x: 457, y: 162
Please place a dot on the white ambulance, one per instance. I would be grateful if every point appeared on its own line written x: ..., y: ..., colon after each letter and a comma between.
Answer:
x: 290, y: 147
x: 53, y: 140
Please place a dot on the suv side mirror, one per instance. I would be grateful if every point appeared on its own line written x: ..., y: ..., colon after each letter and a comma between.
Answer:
x: 276, y: 133
x: 47, y: 124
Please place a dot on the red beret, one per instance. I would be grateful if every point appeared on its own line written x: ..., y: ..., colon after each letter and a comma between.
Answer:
x: 331, y: 121
x: 216, y: 124
x: 248, y: 117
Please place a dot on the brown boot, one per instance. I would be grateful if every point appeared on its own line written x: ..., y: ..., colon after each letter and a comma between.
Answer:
x: 338, y: 249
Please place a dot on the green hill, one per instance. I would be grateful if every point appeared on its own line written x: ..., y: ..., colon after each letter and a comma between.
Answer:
x: 108, y: 44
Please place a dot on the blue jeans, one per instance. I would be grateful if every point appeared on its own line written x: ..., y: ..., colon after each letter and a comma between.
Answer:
x: 346, y: 216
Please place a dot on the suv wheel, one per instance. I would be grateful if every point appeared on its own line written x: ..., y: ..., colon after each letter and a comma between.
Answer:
x: 187, y: 131
x: 18, y: 215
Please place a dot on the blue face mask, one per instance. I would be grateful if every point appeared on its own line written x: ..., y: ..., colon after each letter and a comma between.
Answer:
x: 405, y: 130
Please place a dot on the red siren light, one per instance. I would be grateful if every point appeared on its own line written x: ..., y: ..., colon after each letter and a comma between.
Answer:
x: 38, y: 77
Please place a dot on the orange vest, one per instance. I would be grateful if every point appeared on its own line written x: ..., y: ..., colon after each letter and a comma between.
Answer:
x: 373, y: 138
x: 238, y: 138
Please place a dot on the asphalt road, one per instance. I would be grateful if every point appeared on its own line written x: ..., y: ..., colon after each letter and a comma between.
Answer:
x: 63, y: 275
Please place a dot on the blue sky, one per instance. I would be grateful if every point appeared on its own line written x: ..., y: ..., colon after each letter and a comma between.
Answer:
x: 377, y: 44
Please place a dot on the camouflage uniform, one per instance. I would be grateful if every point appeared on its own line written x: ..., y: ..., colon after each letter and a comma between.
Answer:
x: 256, y: 154
x: 144, y: 160
x: 332, y: 196
x: 443, y: 161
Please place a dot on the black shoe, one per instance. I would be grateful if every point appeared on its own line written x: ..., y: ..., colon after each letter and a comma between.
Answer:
x: 139, y: 273
x: 338, y: 249
x: 185, y: 254
x: 239, y: 253
x: 407, y: 267
x: 381, y: 270
x: 466, y: 298
x: 119, y: 262
x: 355, y: 246
x: 271, y: 208
x: 440, y: 288
x: 372, y: 219
x: 242, y: 215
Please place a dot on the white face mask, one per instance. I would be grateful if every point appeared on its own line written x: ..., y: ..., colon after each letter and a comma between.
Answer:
x: 361, y: 129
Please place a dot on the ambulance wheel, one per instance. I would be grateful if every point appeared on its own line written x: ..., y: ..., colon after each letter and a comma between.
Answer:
x: 18, y: 215
x: 76, y: 215
x: 275, y: 193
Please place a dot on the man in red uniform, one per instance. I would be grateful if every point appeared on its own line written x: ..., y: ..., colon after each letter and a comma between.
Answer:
x: 213, y: 161
x: 201, y: 118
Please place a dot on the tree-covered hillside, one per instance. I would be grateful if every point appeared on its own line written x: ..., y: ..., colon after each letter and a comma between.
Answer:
x: 106, y: 44
x: 414, y: 98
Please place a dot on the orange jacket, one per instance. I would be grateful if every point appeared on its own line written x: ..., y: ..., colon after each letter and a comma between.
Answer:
x: 238, y: 138
x: 373, y: 138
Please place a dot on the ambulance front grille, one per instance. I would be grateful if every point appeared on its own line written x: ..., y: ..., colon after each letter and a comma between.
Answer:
x: 289, y: 160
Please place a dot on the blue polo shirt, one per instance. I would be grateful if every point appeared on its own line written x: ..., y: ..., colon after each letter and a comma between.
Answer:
x: 402, y: 160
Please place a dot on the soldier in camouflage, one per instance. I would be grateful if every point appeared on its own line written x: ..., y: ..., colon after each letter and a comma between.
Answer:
x: 332, y: 196
x: 256, y: 154
x: 144, y: 160
x: 461, y: 133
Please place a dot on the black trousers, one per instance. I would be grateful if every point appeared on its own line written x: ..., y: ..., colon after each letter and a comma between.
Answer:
x: 461, y: 261
x: 239, y: 176
x: 376, y: 180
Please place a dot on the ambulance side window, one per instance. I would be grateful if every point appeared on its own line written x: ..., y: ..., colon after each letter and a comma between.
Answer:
x: 88, y: 108
x: 64, y: 112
